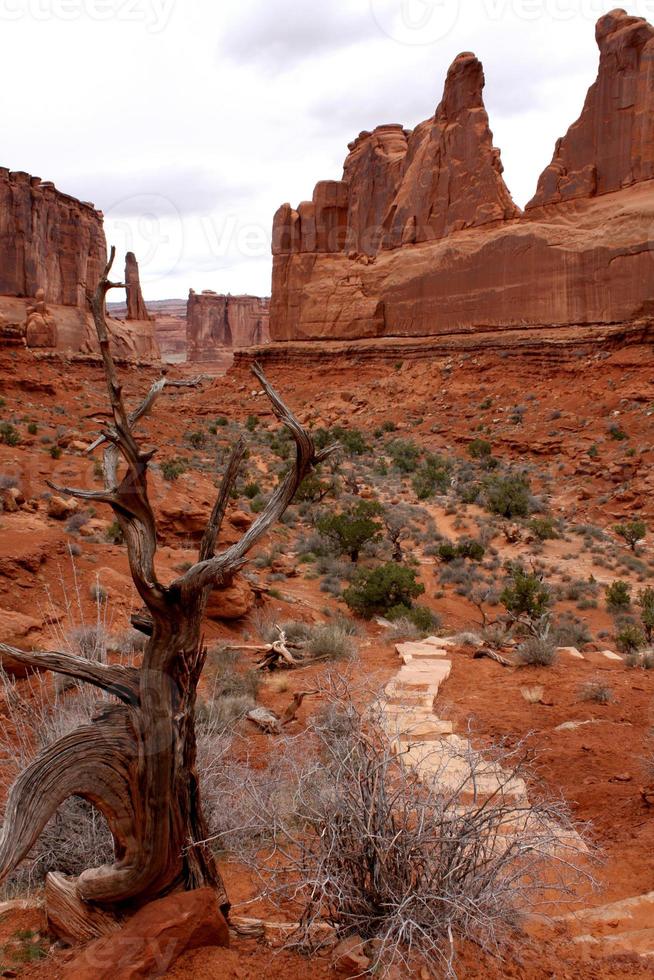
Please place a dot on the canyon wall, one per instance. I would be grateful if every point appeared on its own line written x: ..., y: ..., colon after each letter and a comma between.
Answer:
x: 48, y: 241
x: 52, y: 253
x: 214, y: 322
x: 421, y: 236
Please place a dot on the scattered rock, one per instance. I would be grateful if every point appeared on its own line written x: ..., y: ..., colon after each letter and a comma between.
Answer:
x: 232, y: 602
x: 150, y: 943
x: 350, y: 958
x: 61, y: 509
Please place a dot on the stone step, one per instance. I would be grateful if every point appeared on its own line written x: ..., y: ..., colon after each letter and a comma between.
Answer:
x: 639, y: 942
x: 409, y: 729
x: 411, y: 651
x: 570, y: 652
x: 628, y: 915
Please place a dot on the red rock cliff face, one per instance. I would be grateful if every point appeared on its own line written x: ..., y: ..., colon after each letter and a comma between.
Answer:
x: 430, y: 242
x: 55, y: 243
x: 47, y: 241
x: 215, y: 321
x: 611, y: 145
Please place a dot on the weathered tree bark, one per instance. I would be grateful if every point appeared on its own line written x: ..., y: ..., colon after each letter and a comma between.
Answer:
x: 136, y: 761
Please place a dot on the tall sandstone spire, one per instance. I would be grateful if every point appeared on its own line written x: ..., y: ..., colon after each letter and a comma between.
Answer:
x: 453, y: 174
x: 611, y: 145
x: 136, y: 308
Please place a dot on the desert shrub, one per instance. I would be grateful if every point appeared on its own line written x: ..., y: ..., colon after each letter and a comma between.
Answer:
x: 537, y: 652
x: 353, y: 528
x: 330, y: 642
x: 470, y: 549
x: 221, y: 712
x: 257, y: 504
x: 596, y: 691
x: 32, y: 428
x: 358, y: 836
x: 78, y: 836
x: 446, y: 551
x: 509, y: 496
x: 618, y: 595
x: 630, y: 638
x: 251, y: 423
x: 568, y: 631
x: 526, y: 598
x: 55, y: 452
x: 76, y: 522
x: 313, y: 490
x: 196, y: 439
x: 172, y: 469
x: 480, y: 449
x: 377, y: 590
x: 227, y: 680
x: 646, y: 603
x: 404, y: 455
x: 251, y: 490
x: 617, y: 432
x: 543, y: 528
x: 9, y: 434
x: 352, y: 441
x: 432, y: 477
x: 114, y: 533
x: 420, y: 617
x: 632, y: 532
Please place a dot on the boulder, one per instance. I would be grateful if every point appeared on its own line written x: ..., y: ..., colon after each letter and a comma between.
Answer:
x: 350, y: 958
x: 232, y: 602
x: 150, y: 943
x: 61, y: 509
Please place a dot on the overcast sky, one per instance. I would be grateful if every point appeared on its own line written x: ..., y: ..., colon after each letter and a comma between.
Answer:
x: 188, y: 122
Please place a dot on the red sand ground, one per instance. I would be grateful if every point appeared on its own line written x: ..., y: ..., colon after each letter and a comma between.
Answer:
x: 598, y: 768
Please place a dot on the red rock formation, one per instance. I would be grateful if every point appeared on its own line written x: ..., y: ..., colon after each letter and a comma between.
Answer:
x: 53, y: 249
x: 41, y: 328
x: 611, y: 145
x: 48, y: 241
x: 373, y: 172
x: 136, y: 308
x: 215, y: 322
x: 453, y: 174
x: 456, y: 255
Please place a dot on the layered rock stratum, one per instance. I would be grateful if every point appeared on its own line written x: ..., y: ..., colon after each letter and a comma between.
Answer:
x: 52, y: 253
x: 215, y: 322
x: 421, y: 237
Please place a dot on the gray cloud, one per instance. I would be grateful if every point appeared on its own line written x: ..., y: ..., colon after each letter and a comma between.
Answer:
x: 184, y: 190
x: 280, y: 35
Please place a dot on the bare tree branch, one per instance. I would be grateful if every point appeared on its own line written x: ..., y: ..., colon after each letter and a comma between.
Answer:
x: 208, y: 546
x: 121, y: 682
x: 214, y: 570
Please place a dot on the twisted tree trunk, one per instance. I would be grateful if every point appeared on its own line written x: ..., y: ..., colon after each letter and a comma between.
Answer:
x: 136, y: 761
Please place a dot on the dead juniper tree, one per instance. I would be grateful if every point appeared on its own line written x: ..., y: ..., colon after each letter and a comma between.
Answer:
x: 136, y: 761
